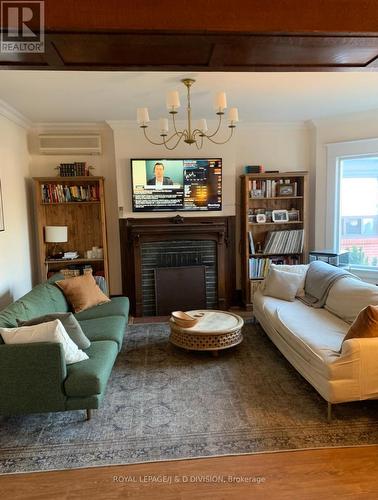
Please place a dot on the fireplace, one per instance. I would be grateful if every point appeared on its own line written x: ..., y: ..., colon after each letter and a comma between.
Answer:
x: 192, y: 256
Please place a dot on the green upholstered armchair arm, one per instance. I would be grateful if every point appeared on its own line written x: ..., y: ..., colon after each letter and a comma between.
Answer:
x: 31, y: 378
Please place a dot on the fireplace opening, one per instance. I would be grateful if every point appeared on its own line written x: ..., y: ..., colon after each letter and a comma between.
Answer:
x: 178, y: 275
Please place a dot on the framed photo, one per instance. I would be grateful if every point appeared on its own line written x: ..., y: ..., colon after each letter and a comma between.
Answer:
x: 261, y: 218
x: 293, y: 215
x: 256, y: 193
x: 2, y: 227
x: 280, y: 216
x: 285, y: 189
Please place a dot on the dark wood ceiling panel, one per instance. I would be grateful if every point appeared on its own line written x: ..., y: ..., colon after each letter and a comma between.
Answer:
x: 133, y: 50
x: 300, y: 51
x: 195, y: 52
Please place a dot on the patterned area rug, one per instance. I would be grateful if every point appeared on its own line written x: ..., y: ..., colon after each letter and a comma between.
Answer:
x: 164, y: 403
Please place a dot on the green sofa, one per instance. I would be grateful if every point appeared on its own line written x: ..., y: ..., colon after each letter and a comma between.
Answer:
x: 34, y: 377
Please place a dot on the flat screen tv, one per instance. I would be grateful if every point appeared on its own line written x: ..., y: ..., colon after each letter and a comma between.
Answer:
x: 163, y: 185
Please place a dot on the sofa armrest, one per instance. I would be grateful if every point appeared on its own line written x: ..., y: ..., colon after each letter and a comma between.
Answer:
x: 359, y: 357
x: 31, y: 378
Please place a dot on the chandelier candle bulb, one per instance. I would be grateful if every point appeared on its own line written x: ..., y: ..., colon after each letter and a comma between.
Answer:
x: 173, y: 100
x: 163, y: 123
x: 233, y: 115
x: 220, y: 102
x: 142, y: 116
x: 203, y: 125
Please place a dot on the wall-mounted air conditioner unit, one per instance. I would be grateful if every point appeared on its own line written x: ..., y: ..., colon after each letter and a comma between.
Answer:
x: 64, y: 144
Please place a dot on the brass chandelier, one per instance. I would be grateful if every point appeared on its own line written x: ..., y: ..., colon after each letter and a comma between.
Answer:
x: 189, y: 135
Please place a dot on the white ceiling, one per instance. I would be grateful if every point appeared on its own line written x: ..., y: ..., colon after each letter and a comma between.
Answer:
x: 78, y: 96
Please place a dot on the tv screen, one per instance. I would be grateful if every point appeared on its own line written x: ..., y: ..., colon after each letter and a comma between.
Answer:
x: 161, y: 185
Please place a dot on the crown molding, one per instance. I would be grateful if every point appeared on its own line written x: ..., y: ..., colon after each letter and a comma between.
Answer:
x: 15, y: 116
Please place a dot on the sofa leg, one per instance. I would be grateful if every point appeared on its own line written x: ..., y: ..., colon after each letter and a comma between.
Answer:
x: 329, y: 411
x: 89, y: 414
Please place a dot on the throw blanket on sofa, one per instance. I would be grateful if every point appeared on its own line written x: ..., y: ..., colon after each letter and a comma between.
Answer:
x: 319, y: 279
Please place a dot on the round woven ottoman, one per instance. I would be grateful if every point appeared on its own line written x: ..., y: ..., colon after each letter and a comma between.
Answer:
x: 215, y: 330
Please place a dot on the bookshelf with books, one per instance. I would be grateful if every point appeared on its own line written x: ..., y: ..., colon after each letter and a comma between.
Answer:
x: 77, y: 203
x: 273, y: 225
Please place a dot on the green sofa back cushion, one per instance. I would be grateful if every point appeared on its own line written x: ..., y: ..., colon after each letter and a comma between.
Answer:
x: 42, y: 299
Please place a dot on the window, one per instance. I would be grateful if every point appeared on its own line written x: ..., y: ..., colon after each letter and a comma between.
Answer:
x: 358, y: 210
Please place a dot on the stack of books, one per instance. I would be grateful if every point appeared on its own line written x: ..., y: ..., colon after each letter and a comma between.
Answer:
x: 59, y: 193
x: 78, y: 168
x: 268, y: 188
x: 284, y: 242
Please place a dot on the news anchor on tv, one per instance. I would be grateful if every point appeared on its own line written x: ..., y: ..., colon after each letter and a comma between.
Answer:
x: 159, y: 179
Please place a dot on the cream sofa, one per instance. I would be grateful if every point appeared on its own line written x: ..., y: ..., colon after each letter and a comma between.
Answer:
x: 311, y: 339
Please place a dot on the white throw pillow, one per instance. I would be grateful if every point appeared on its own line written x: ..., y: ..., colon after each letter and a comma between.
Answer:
x: 52, y: 331
x: 300, y: 269
x: 282, y: 285
x: 348, y: 296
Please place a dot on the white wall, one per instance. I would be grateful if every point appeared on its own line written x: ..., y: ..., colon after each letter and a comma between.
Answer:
x: 16, y: 253
x: 283, y: 147
x: 44, y: 165
x: 347, y: 127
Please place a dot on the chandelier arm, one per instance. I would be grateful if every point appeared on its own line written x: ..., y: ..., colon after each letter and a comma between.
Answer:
x: 150, y: 140
x: 199, y: 147
x: 221, y: 142
x: 217, y: 129
x: 183, y: 132
x: 181, y: 135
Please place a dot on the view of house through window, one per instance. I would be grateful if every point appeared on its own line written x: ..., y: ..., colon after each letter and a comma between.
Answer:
x: 359, y: 210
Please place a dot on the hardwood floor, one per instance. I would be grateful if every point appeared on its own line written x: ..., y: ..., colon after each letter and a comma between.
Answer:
x: 311, y: 474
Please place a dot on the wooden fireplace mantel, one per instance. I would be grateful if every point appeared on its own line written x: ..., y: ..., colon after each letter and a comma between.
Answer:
x: 135, y: 231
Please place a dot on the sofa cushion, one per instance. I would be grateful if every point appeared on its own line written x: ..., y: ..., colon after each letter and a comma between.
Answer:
x: 69, y: 322
x: 348, y: 296
x: 365, y: 325
x: 90, y: 377
x: 118, y: 306
x: 315, y: 334
x: 82, y: 292
x: 282, y: 285
x: 300, y: 269
x: 52, y: 331
x: 110, y: 328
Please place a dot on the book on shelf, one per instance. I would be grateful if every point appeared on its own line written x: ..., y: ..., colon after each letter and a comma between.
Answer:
x: 59, y: 193
x: 284, y: 242
x: 259, y: 266
x: 76, y: 169
x: 251, y: 242
x: 267, y: 188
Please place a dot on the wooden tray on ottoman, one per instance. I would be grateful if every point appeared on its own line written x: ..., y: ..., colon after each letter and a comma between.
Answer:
x: 214, y: 331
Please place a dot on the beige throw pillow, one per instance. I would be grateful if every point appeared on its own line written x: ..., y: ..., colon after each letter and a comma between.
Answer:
x: 82, y: 292
x: 300, y: 269
x: 52, y: 331
x: 282, y: 285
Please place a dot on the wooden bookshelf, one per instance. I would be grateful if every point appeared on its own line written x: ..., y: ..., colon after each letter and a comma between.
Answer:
x: 260, y: 230
x: 85, y: 219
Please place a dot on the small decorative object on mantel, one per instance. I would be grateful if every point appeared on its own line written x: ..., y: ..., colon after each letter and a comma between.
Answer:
x: 178, y: 219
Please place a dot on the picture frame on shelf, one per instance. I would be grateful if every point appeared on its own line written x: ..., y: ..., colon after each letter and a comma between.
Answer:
x: 285, y: 189
x: 280, y: 216
x: 261, y: 218
x: 256, y: 193
x: 2, y: 225
x: 293, y: 215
